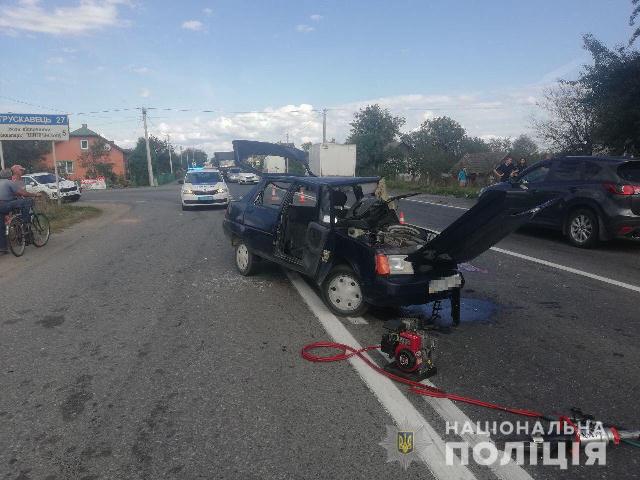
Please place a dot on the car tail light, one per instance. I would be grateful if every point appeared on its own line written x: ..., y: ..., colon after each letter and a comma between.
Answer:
x: 622, y: 189
x: 625, y: 230
x: 382, y: 264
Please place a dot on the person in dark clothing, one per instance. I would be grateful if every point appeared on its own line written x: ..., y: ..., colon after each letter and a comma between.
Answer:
x: 522, y: 165
x: 505, y: 170
x: 12, y: 196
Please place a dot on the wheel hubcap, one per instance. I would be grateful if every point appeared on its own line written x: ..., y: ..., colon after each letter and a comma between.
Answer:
x: 242, y: 257
x: 581, y: 228
x: 344, y: 293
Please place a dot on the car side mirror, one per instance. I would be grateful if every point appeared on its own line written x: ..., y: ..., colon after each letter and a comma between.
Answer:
x: 181, y: 182
x: 33, y: 184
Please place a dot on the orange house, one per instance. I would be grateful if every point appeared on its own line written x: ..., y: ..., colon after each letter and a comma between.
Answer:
x: 70, y: 154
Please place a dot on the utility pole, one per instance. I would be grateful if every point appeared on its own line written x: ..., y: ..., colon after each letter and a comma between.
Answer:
x: 180, y: 156
x: 1, y: 156
x: 169, y: 146
x: 324, y: 126
x: 55, y: 169
x: 146, y: 141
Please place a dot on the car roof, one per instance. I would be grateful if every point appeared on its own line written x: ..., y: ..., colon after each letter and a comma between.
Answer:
x: 37, y: 174
x: 331, y: 181
x: 599, y: 158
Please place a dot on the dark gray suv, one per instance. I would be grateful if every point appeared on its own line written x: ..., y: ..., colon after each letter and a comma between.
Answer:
x: 599, y: 197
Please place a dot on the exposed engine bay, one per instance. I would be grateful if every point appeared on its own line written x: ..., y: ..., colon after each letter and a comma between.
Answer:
x: 406, y: 237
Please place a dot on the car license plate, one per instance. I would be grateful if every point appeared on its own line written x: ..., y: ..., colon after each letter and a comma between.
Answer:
x: 205, y: 197
x: 445, y: 283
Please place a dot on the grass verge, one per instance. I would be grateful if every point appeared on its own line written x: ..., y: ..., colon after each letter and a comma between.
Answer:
x: 66, y: 215
x: 450, y: 191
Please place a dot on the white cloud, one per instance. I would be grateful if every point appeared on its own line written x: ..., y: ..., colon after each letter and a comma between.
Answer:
x: 85, y: 17
x: 55, y: 60
x: 315, y: 17
x: 145, y: 93
x: 194, y: 25
x: 302, y: 28
x: 207, y: 11
x: 140, y: 70
x: 485, y: 114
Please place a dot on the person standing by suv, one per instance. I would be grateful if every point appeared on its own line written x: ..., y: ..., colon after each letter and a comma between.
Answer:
x: 504, y: 171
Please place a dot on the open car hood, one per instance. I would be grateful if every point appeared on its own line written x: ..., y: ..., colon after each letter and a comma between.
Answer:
x: 481, y: 227
x: 243, y: 149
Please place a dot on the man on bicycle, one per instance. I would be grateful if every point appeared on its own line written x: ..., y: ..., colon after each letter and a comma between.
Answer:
x: 13, y: 195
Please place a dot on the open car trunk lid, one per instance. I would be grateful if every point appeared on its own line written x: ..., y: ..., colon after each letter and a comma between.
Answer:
x: 243, y: 149
x: 485, y: 224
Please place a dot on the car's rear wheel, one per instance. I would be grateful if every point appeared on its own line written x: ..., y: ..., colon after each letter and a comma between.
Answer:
x: 245, y: 260
x: 342, y: 292
x: 582, y: 228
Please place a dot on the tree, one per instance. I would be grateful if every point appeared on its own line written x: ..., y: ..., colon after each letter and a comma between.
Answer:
x: 570, y: 125
x: 445, y: 134
x: 612, y: 86
x: 524, y: 146
x: 474, y: 145
x: 500, y: 145
x: 24, y: 152
x: 95, y: 161
x: 632, y: 20
x: 371, y: 130
x: 138, y: 169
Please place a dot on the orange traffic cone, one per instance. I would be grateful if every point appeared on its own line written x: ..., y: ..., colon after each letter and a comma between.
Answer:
x: 401, y: 218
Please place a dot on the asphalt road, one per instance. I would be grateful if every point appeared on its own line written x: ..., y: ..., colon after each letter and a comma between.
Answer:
x: 131, y: 348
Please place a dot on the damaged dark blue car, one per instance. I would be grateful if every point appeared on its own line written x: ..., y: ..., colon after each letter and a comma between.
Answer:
x: 344, y: 234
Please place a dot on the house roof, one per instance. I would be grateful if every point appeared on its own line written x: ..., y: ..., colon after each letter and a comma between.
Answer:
x: 482, y: 163
x: 83, y: 132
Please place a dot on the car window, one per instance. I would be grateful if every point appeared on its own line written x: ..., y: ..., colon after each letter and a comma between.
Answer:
x: 202, y: 178
x: 630, y: 171
x: 27, y: 180
x: 48, y: 178
x: 273, y: 194
x: 566, y: 170
x: 536, y: 175
x: 305, y: 196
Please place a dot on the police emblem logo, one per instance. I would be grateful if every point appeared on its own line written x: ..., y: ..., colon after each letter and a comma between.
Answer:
x: 405, y: 442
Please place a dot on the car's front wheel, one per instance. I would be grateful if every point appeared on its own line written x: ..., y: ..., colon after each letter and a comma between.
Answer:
x: 245, y: 260
x: 582, y: 228
x: 342, y: 292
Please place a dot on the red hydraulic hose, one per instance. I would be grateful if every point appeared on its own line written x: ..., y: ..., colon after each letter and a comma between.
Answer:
x: 347, y: 352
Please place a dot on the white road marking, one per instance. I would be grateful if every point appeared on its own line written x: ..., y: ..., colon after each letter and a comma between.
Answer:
x: 453, y: 415
x: 387, y: 392
x: 434, y: 203
x: 547, y: 263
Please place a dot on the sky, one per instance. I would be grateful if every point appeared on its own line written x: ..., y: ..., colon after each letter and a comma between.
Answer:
x: 217, y: 70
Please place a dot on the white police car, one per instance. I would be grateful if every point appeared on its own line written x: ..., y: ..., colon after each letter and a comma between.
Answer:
x: 203, y: 186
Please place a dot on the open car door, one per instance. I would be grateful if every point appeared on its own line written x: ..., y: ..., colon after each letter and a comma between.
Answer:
x: 490, y: 220
x: 316, y: 243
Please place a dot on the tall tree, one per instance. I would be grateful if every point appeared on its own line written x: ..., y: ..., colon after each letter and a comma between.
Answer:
x: 524, y: 146
x: 372, y: 129
x: 570, y: 123
x: 632, y: 20
x: 445, y: 134
x: 612, y: 86
x: 24, y: 152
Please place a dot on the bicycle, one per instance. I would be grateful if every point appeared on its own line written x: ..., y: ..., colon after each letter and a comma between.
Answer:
x: 19, y: 234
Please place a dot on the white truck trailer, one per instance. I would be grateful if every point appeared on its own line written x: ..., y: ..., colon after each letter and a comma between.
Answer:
x: 332, y: 159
